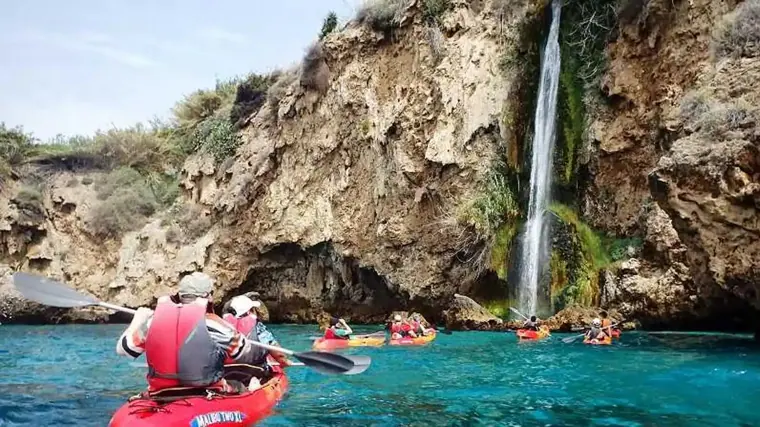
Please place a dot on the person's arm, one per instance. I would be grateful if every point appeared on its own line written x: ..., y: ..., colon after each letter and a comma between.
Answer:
x: 266, y: 337
x: 234, y: 343
x: 348, y: 329
x: 132, y: 340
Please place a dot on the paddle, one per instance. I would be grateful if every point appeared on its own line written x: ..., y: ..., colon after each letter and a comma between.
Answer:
x: 514, y: 310
x: 55, y: 294
x: 49, y: 292
x: 568, y: 340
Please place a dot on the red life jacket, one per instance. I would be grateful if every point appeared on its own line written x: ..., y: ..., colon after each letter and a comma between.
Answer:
x: 396, y: 328
x: 245, y: 325
x: 179, y: 349
x: 330, y: 334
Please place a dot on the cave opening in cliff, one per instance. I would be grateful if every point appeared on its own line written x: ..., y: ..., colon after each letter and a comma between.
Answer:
x: 300, y: 285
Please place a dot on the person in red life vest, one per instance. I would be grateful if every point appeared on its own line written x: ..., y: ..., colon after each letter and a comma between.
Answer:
x: 401, y: 329
x: 184, y: 342
x: 418, y: 325
x: 244, y: 319
x: 338, y: 330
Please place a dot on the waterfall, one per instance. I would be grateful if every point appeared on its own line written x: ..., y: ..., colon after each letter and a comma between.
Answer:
x: 534, y: 240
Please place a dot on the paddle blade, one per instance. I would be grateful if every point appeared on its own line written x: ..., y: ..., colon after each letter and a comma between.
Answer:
x: 514, y: 310
x: 568, y: 340
x: 333, y: 363
x: 49, y: 292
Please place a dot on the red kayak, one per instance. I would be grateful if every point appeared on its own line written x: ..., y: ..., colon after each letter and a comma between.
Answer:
x: 529, y: 334
x: 238, y: 410
x: 616, y: 333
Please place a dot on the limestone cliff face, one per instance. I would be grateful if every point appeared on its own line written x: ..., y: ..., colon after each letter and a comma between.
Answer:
x: 338, y: 197
x: 677, y: 162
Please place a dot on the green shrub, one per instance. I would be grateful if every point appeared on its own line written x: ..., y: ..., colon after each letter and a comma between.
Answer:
x: 382, y: 15
x: 15, y: 147
x: 618, y: 248
x: 217, y: 137
x: 499, y: 308
x: 433, y: 10
x: 495, y: 207
x: 314, y: 72
x: 738, y: 33
x: 204, y: 103
x: 591, y: 242
x: 328, y: 25
x: 249, y: 97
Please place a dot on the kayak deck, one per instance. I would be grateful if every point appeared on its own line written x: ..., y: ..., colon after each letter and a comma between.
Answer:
x: 528, y: 334
x: 362, y: 341
x: 238, y: 410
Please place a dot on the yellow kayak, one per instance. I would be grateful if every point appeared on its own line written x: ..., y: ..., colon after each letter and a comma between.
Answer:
x: 359, y: 341
x: 414, y: 341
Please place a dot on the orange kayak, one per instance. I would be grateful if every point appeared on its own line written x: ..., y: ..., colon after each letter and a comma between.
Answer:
x: 605, y: 341
x: 414, y: 341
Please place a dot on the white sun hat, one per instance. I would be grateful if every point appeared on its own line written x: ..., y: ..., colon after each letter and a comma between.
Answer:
x: 242, y: 305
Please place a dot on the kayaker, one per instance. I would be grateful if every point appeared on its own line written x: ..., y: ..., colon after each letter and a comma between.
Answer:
x: 184, y: 342
x: 531, y: 324
x: 596, y: 332
x: 400, y: 329
x: 417, y: 325
x: 244, y: 319
x: 606, y: 323
x: 338, y: 330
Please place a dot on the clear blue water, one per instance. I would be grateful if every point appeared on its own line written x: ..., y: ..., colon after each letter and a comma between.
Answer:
x: 70, y: 375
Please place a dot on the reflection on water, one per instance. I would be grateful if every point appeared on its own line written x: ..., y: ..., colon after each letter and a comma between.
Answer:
x: 70, y: 375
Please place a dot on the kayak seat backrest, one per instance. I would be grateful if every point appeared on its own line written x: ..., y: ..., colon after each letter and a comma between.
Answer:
x: 243, y: 373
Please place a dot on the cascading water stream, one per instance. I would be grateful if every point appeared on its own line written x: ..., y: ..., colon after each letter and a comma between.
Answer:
x: 534, y: 239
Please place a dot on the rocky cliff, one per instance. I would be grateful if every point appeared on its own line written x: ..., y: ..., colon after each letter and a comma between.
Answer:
x: 676, y: 162
x: 343, y: 196
x: 387, y: 173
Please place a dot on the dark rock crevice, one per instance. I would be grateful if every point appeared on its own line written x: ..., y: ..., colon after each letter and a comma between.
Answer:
x: 298, y: 285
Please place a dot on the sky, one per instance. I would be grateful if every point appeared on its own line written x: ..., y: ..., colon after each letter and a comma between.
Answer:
x: 76, y: 66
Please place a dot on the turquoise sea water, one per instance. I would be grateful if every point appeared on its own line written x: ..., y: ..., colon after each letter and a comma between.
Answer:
x: 71, y: 376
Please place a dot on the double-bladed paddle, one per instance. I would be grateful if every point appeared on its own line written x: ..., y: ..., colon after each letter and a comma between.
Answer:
x: 55, y: 294
x: 568, y: 340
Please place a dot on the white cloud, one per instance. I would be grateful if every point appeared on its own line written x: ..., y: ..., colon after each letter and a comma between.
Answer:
x: 93, y: 42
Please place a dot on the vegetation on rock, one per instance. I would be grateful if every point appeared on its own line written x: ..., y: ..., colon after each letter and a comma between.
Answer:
x: 738, y: 33
x: 578, y: 258
x: 382, y: 15
x: 328, y: 25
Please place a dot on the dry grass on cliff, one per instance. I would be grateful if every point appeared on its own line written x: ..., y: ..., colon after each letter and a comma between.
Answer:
x: 284, y: 80
x: 738, y: 33
x: 187, y: 223
x: 382, y: 15
x: 314, y: 72
x: 126, y: 201
x: 700, y: 112
x: 29, y: 204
